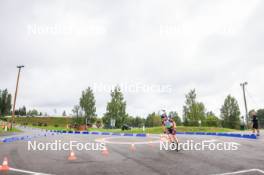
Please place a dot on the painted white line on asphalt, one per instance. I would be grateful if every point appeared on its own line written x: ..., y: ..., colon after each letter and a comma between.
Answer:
x: 27, y: 172
x: 212, y: 140
x: 106, y: 140
x: 243, y: 171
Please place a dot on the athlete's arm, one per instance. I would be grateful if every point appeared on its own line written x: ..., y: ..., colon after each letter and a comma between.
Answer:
x: 174, y: 125
x: 163, y: 127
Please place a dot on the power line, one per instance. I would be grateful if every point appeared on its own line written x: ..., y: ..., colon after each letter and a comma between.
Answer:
x: 252, y: 98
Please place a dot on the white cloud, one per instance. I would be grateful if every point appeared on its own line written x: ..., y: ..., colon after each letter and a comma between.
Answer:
x: 212, y: 46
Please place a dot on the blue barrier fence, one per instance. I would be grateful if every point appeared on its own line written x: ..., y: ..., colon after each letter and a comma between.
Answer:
x: 53, y: 132
x: 248, y: 136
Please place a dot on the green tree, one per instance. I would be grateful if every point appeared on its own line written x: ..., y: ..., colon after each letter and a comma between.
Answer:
x: 24, y: 111
x: 193, y: 111
x: 176, y: 117
x: 99, y: 123
x: 106, y: 121
x: 230, y: 113
x: 134, y: 121
x: 21, y: 111
x: 8, y: 104
x: 138, y: 122
x: 129, y: 120
x: 87, y: 104
x: 116, y: 108
x: 152, y: 120
x: 77, y: 116
x: 5, y: 103
x: 33, y: 112
x: 211, y: 120
x: 77, y: 111
x: 260, y: 114
x: 64, y: 113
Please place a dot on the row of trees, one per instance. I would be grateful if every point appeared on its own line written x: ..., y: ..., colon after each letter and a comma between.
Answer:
x: 23, y: 112
x: 154, y: 119
x: 195, y: 114
x: 116, y: 109
x: 6, y: 105
x: 260, y: 114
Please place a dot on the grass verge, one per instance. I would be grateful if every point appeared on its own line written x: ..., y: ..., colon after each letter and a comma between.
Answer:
x: 13, y: 130
x: 153, y: 130
x: 158, y: 130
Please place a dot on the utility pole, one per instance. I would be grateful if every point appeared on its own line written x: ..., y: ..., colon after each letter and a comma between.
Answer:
x: 245, y: 102
x: 15, y: 97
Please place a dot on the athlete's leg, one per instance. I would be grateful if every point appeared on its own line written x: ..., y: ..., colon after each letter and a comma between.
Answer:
x: 174, y: 136
x: 170, y: 138
x: 175, y: 140
x: 169, y: 135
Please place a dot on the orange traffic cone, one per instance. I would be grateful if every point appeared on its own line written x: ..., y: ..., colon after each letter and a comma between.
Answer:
x: 4, y: 166
x: 132, y: 148
x: 72, y: 156
x: 105, y: 151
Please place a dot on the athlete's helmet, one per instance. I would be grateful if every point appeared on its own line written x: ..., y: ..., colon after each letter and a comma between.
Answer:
x: 163, y: 115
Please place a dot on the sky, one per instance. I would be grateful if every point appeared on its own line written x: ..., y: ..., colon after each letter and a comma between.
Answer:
x: 155, y: 50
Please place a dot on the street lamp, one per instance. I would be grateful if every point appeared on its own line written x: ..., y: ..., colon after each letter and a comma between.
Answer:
x: 14, y: 105
x: 245, y: 101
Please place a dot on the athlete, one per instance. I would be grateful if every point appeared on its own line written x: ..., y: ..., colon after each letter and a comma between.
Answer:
x: 255, y: 123
x: 169, y: 128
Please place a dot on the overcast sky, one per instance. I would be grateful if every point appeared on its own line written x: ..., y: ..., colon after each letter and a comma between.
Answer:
x: 155, y: 50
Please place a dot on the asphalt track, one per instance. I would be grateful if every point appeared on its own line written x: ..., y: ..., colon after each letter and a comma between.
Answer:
x: 144, y: 158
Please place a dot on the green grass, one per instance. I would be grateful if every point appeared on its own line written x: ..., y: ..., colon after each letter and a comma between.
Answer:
x: 13, y: 130
x: 61, y: 122
x: 51, y: 127
x: 50, y: 121
x: 153, y: 130
x: 158, y: 130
